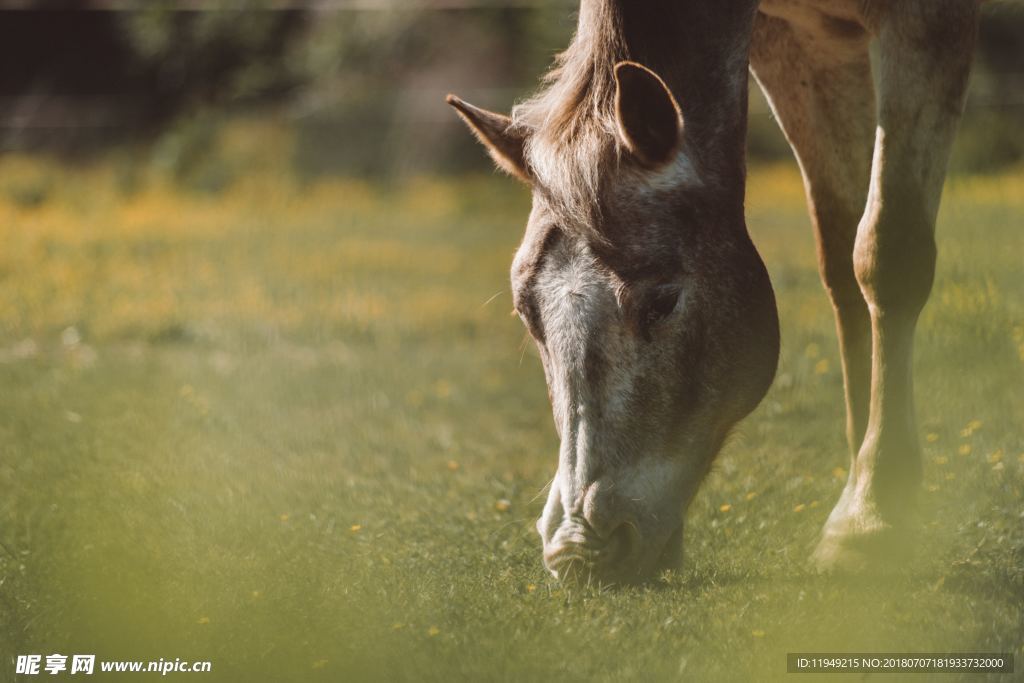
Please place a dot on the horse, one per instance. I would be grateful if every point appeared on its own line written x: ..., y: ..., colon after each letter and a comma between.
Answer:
x: 652, y: 311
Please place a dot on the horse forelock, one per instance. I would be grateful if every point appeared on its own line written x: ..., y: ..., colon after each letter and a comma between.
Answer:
x: 570, y: 126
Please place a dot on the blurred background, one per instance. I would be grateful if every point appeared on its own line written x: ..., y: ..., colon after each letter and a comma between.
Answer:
x: 359, y: 84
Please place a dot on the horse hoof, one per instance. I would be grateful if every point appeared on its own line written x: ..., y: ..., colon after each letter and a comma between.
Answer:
x: 879, y: 549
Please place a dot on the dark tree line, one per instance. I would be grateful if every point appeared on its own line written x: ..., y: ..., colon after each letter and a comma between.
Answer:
x: 76, y: 78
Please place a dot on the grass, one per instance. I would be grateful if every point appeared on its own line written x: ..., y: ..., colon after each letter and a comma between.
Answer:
x: 294, y: 431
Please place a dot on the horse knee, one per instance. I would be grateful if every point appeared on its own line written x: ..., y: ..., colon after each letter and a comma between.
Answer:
x: 894, y: 257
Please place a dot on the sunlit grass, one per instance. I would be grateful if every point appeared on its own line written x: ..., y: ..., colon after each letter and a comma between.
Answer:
x: 261, y: 254
x: 290, y: 427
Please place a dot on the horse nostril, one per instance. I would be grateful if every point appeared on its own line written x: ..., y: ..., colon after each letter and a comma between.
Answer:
x: 578, y: 555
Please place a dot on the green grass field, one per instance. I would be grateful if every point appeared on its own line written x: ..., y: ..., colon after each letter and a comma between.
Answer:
x: 293, y: 430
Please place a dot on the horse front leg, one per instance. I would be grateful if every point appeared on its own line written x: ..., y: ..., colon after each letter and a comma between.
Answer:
x: 821, y: 91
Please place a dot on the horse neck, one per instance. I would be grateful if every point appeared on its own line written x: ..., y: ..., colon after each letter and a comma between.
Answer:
x: 701, y: 50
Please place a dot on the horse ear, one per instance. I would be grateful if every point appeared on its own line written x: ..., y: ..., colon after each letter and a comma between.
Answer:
x: 648, y: 117
x: 503, y: 142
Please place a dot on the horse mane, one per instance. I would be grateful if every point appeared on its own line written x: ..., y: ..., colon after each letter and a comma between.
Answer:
x: 569, y: 125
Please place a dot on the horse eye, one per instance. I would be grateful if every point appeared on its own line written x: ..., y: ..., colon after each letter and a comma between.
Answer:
x: 661, y: 304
